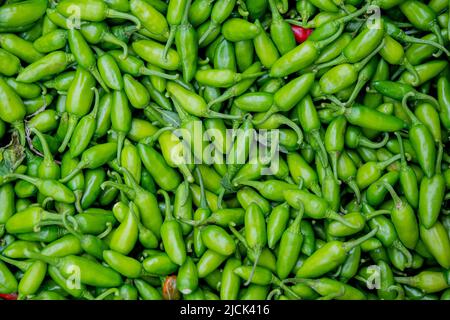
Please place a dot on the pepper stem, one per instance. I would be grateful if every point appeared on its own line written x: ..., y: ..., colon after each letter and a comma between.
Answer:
x: 186, y: 172
x: 126, y: 189
x: 243, y: 76
x: 168, y: 210
x: 211, y: 27
x: 72, y: 123
x: 335, y: 216
x: 410, y: 281
x: 20, y: 127
x: 171, y: 38
x: 349, y: 245
x: 81, y: 165
x: 364, y: 142
x: 220, y: 198
x: 48, y: 157
x: 280, y: 284
x: 134, y: 185
x: 411, y: 69
x: 240, y: 237
x: 351, y: 16
x: 400, y: 247
x: 323, y: 43
x: 53, y: 261
x: 257, y: 254
x: 319, y: 147
x: 402, y: 149
x: 185, y: 19
x: 273, y: 109
x: 362, y: 63
x: 295, y: 226
x: 334, y: 155
x: 399, y: 290
x: 192, y: 223
x: 96, y: 102
x: 109, y: 37
x: 69, y: 228
x: 439, y: 158
x: 214, y: 114
x: 382, y: 165
x: 274, y: 293
x: 203, y: 203
x: 276, y: 16
x: 151, y: 140
x: 78, y: 196
x: 22, y: 265
x: 29, y: 179
x: 228, y: 94
x: 354, y: 186
x: 291, y: 124
x: 107, y: 231
x: 428, y: 42
x: 94, y: 71
x: 108, y: 292
x: 437, y: 32
x: 147, y: 72
x: 338, y: 60
x: 374, y: 214
x: 111, y: 13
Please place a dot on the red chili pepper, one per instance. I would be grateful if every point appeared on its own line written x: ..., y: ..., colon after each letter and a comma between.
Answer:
x: 301, y: 34
x: 8, y: 296
x: 169, y: 289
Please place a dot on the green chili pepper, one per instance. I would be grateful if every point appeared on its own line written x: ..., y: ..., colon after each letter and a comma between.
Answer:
x: 443, y: 90
x: 90, y: 272
x: 290, y: 245
x: 49, y: 188
x: 301, y: 56
x: 431, y: 194
x: 12, y: 109
x: 64, y: 246
x: 329, y: 257
x: 165, y: 176
x: 199, y: 11
x: 93, y: 181
x: 20, y: 249
x: 371, y: 171
x: 423, y: 143
x: 427, y: 281
x: 8, y: 282
x: 79, y: 99
x: 19, y: 14
x: 315, y: 207
x: 404, y: 219
x: 172, y: 236
x: 93, y: 11
x: 277, y: 223
x: 422, y: 17
x: 98, y: 32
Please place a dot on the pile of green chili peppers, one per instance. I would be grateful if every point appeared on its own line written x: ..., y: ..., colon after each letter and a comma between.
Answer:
x: 95, y: 204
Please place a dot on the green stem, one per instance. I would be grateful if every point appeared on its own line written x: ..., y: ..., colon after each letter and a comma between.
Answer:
x: 81, y: 165
x: 72, y: 123
x: 108, y: 292
x: 349, y: 245
x: 364, y: 142
x: 168, y: 210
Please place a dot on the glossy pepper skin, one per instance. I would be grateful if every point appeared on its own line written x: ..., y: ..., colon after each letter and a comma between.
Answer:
x: 12, y: 108
x: 431, y: 194
x: 19, y: 14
